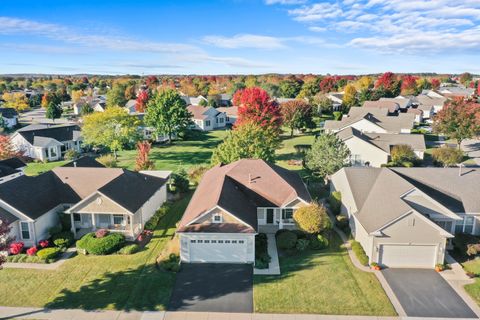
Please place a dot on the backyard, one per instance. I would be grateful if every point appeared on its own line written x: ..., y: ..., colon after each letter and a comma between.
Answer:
x: 118, y: 282
x: 322, y: 282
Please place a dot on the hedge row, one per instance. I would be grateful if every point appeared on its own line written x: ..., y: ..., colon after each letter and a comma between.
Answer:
x: 359, y: 252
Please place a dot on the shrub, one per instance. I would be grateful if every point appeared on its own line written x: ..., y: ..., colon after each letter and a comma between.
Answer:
x: 337, y: 115
x: 48, y: 254
x: 359, y: 252
x: 63, y: 239
x: 43, y: 243
x: 447, y: 156
x: 402, y: 153
x: 129, y: 249
x: 466, y: 244
x: 32, y: 251
x: 318, y: 242
x: 302, y: 148
x: 287, y: 240
x: 100, y: 233
x: 101, y: 246
x: 312, y: 219
x: 196, y: 173
x: 342, y: 223
x: 335, y: 201
x: 24, y: 258
x: 155, y: 219
x: 300, y: 234
x: 262, y: 258
x: 302, y: 244
x: 108, y: 160
x: 16, y: 247
x: 71, y: 154
x: 55, y: 230
x: 179, y: 181
x: 280, y: 231
x: 171, y: 264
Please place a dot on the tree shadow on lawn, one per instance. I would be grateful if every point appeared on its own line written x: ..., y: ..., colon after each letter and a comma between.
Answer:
x: 144, y: 288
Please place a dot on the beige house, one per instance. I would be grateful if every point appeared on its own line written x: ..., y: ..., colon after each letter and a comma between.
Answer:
x: 374, y: 149
x: 206, y: 118
x: 403, y: 217
x: 232, y: 204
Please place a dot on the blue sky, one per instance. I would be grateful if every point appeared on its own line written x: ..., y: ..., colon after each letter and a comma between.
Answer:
x: 241, y: 36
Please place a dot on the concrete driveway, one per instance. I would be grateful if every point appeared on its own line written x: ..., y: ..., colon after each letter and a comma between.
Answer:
x: 213, y: 288
x: 424, y: 293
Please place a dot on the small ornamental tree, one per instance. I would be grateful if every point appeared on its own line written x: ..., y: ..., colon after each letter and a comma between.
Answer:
x: 435, y: 83
x: 4, y: 240
x: 459, y: 120
x: 54, y: 111
x: 349, y: 97
x: 327, y: 155
x: 141, y: 102
x: 296, y: 114
x: 255, y: 105
x: 143, y: 162
x: 7, y: 150
x: 402, y: 153
x: 447, y: 156
x: 312, y: 219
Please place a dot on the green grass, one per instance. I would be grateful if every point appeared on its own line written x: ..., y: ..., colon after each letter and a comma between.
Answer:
x: 322, y: 282
x: 115, y: 282
x: 196, y: 150
x: 36, y: 168
x: 287, y: 151
x: 474, y: 290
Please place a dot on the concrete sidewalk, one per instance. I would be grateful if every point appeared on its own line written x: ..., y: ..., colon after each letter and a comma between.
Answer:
x: 274, y: 265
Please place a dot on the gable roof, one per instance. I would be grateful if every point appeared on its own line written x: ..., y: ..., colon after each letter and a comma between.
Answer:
x: 35, y: 196
x: 379, y: 192
x: 200, y: 112
x: 7, y: 217
x: 385, y: 141
x: 42, y: 134
x: 391, y: 106
x: 229, y: 111
x: 241, y: 187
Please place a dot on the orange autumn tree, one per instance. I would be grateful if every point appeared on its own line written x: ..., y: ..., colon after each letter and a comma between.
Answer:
x: 141, y: 101
x: 142, y: 161
x: 7, y: 150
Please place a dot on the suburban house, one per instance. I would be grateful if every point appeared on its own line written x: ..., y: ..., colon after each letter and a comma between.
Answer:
x: 194, y: 100
x: 232, y: 204
x: 403, y: 102
x: 11, y: 168
x: 47, y: 142
x: 231, y: 114
x: 430, y: 103
x: 391, y: 106
x: 403, y: 217
x: 10, y: 117
x: 206, y: 118
x: 374, y: 149
x: 456, y: 91
x: 225, y: 99
x: 378, y: 120
x: 115, y: 199
x: 98, y: 104
x: 130, y: 106
x: 336, y: 98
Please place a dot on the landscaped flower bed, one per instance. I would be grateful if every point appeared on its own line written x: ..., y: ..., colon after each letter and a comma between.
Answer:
x: 262, y: 258
x: 101, y: 243
x: 36, y: 254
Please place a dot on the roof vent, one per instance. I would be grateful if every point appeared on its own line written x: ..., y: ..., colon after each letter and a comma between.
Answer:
x: 75, y: 164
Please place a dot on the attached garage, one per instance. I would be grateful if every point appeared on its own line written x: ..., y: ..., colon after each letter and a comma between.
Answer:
x: 407, y: 256
x: 217, y: 248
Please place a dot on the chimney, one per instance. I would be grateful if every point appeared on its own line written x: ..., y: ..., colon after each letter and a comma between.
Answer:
x: 74, y: 164
x: 460, y: 169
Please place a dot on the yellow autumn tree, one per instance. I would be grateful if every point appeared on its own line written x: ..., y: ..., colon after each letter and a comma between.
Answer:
x: 349, y: 96
x: 16, y: 100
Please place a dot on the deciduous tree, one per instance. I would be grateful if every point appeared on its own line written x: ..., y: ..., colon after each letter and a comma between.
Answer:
x: 142, y: 162
x: 255, y: 105
x: 349, y: 96
x: 167, y: 113
x: 435, y: 83
x: 5, y: 240
x: 114, y: 129
x: 447, y: 156
x: 249, y: 140
x: 297, y: 114
x: 54, y: 111
x: 116, y: 96
x: 16, y: 100
x: 7, y: 150
x: 409, y: 85
x: 327, y: 155
x: 312, y: 219
x: 459, y: 120
x: 142, y: 100
x: 328, y: 84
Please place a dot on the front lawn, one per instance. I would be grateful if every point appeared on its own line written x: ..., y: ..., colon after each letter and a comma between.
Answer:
x: 36, y: 168
x: 473, y: 266
x: 119, y: 282
x: 323, y: 282
x: 287, y: 155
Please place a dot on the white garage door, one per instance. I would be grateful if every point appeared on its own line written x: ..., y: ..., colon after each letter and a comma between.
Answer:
x: 218, y: 250
x: 407, y: 256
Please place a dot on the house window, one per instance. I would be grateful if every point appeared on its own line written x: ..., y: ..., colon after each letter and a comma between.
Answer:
x: 465, y: 226
x: 193, y: 241
x: 53, y: 152
x: 104, y: 219
x: 217, y: 218
x: 25, y: 230
x: 77, y: 217
x: 118, y: 219
x: 445, y: 225
x: 228, y: 118
x: 355, y: 160
x: 207, y: 123
x: 287, y: 213
x: 240, y: 241
x: 221, y: 120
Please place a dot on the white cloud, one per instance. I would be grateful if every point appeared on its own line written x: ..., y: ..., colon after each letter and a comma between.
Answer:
x: 244, y: 41
x: 317, y: 29
x: 285, y: 2
x: 317, y: 11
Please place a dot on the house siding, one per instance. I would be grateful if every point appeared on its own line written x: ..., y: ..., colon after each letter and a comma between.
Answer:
x: 368, y: 153
x: 153, y: 204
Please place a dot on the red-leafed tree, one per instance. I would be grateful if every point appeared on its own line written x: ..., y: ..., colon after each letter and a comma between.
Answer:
x: 435, y: 83
x: 4, y: 240
x: 151, y: 82
x: 328, y: 84
x: 255, y: 105
x: 296, y: 114
x: 478, y: 88
x: 409, y: 84
x: 459, y: 120
x: 386, y: 80
x: 6, y: 148
x: 142, y: 100
x: 143, y: 161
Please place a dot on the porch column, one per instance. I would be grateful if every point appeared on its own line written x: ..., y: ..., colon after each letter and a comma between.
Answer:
x: 280, y: 225
x: 131, y: 226
x: 94, y: 227
x: 73, y: 225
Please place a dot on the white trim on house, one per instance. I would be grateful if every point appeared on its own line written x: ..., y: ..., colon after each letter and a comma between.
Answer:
x: 69, y: 210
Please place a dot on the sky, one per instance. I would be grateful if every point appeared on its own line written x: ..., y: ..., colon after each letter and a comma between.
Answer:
x: 239, y: 36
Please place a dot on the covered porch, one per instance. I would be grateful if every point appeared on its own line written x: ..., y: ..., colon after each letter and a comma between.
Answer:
x: 270, y: 220
x: 83, y: 223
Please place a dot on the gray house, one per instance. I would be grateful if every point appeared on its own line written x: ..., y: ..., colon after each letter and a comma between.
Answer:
x: 403, y: 217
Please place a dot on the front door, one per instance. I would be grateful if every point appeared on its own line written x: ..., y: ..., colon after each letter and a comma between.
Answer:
x: 269, y: 216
